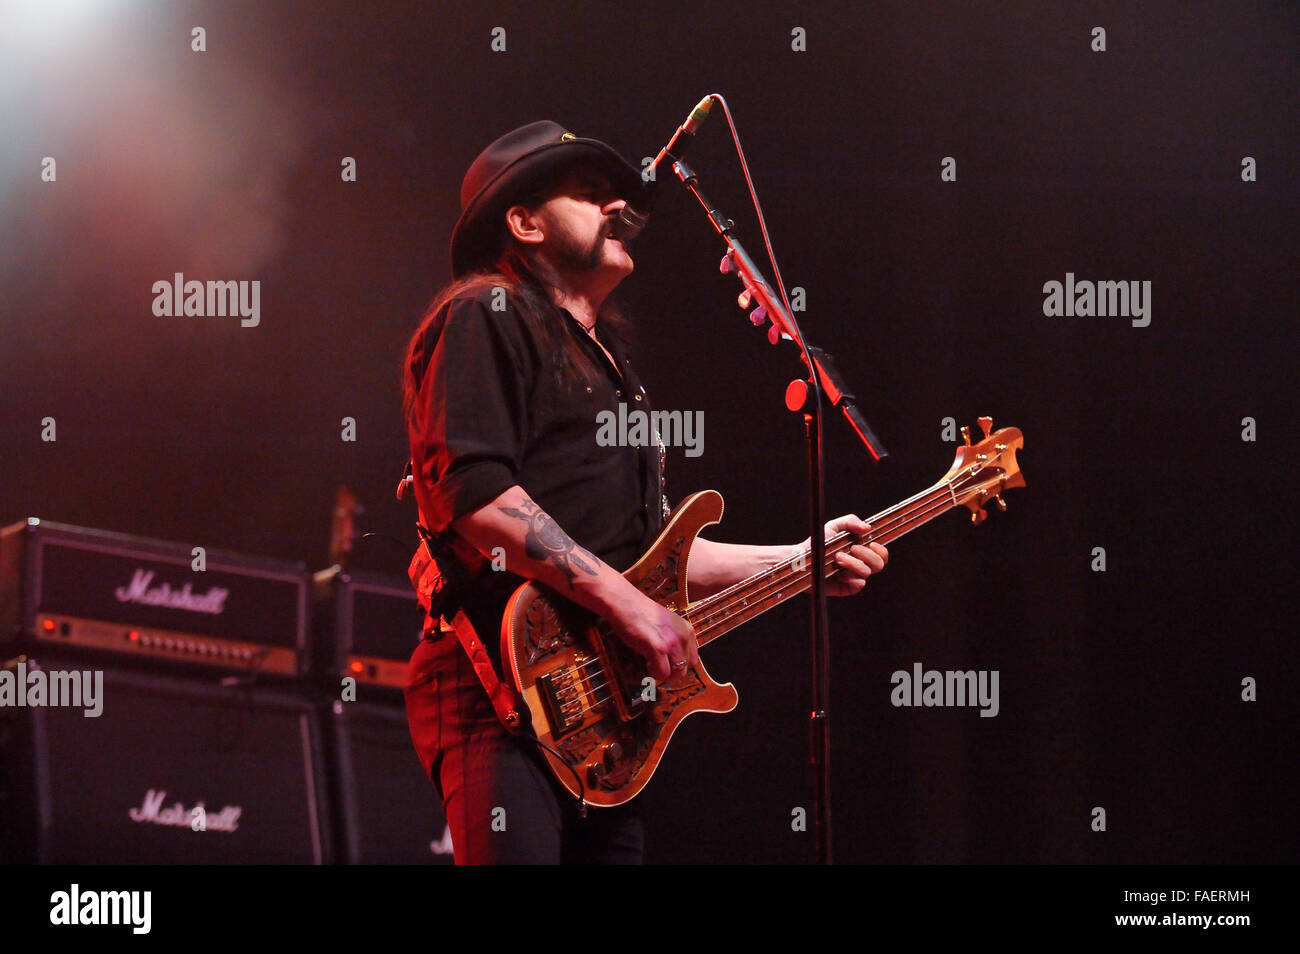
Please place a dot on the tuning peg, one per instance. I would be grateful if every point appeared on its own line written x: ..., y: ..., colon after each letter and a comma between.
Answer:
x: 758, y: 316
x: 965, y: 434
x: 986, y: 424
x: 773, y: 334
x: 1002, y: 504
x: 978, y: 516
x: 743, y: 298
x: 727, y: 266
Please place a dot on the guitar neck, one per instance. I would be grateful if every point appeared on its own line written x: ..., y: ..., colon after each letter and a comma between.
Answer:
x: 741, y: 602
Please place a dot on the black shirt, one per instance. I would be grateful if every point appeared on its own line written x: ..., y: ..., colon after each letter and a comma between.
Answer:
x: 489, y: 414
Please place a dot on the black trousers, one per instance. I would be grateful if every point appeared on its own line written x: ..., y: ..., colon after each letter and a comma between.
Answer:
x: 502, y: 804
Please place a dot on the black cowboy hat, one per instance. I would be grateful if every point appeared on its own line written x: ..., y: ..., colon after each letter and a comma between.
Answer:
x: 513, y: 167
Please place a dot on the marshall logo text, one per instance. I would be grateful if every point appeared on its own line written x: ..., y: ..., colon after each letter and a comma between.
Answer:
x: 139, y: 591
x: 178, y: 816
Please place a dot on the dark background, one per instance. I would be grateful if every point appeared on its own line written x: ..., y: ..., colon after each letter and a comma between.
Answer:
x: 1118, y: 689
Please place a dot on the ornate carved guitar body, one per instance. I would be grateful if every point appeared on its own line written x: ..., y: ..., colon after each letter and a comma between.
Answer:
x: 603, y: 722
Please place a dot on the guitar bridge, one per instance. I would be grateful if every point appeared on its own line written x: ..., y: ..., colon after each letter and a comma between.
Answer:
x: 567, y: 696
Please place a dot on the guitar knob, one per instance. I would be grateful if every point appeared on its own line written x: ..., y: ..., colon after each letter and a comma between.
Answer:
x: 965, y: 434
x: 1002, y: 504
x: 978, y: 516
x: 610, y: 754
x: 986, y: 425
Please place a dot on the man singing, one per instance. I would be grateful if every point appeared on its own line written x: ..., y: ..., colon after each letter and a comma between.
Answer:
x: 503, y: 382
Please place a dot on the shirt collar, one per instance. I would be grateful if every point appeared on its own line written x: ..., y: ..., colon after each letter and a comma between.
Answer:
x: 576, y: 323
x: 610, y: 338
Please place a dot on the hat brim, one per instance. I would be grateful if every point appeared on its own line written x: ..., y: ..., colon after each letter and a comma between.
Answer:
x: 475, y: 241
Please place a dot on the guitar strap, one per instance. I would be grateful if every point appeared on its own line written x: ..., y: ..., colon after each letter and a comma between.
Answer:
x: 440, y: 581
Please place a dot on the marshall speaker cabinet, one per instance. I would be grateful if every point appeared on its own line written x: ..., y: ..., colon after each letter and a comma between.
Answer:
x: 149, y: 769
x: 387, y: 811
x: 142, y: 600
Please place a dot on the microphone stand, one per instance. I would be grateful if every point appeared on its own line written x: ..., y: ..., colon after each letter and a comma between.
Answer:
x: 806, y: 397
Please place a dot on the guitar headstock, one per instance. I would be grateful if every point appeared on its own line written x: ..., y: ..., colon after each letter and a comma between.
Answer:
x: 981, y: 472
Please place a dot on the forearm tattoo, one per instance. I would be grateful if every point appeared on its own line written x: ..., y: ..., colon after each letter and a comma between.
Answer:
x: 545, y: 541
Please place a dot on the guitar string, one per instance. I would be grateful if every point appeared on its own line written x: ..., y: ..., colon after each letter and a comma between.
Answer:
x: 593, y: 692
x: 722, y: 602
x: 773, y: 588
x: 924, y: 506
x: 581, y: 700
x: 725, y: 599
x: 834, y: 545
x: 595, y: 661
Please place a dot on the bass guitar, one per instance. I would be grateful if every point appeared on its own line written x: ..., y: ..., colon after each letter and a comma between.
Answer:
x: 602, y: 721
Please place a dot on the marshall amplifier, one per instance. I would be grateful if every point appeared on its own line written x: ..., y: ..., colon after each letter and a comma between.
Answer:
x: 367, y: 626
x: 71, y: 587
x: 148, y: 769
x: 387, y: 811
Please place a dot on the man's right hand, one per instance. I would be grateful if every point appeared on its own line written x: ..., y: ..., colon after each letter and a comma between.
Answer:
x: 658, y: 634
x: 538, y: 549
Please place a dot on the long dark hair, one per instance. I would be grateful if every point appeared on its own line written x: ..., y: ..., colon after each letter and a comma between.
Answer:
x: 527, y: 288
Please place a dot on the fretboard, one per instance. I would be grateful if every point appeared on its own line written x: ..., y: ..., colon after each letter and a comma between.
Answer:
x: 741, y: 602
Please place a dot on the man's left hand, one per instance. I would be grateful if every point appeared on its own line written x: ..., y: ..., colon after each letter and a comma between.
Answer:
x: 857, y: 562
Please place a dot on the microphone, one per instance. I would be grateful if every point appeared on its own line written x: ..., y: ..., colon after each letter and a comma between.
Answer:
x: 631, y: 222
x: 628, y: 224
x: 678, y: 145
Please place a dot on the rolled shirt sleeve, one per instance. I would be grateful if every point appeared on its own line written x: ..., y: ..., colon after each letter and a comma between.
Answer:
x: 469, y: 425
